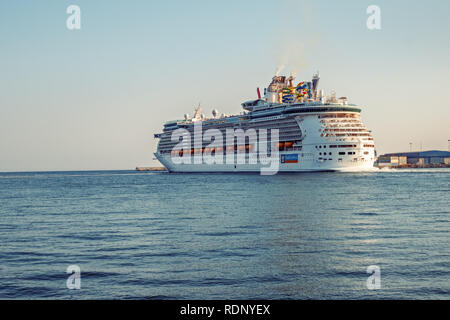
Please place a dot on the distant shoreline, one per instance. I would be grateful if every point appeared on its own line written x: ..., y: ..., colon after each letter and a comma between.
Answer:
x: 77, y: 171
x: 160, y: 169
x: 414, y: 166
x: 151, y: 169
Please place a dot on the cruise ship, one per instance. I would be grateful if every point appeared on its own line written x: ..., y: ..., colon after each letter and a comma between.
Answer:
x: 316, y: 132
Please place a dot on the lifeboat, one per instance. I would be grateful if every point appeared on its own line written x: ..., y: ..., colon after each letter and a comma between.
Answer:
x: 281, y: 145
x: 289, y: 144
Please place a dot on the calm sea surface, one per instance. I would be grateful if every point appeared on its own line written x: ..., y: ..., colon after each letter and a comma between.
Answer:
x: 225, y: 236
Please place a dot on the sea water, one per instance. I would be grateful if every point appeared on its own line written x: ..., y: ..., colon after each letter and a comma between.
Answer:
x: 155, y: 235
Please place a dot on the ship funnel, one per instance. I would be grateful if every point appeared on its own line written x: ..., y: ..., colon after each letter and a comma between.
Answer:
x: 290, y: 80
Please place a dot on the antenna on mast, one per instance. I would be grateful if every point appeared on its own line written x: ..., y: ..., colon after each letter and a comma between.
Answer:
x: 197, y: 114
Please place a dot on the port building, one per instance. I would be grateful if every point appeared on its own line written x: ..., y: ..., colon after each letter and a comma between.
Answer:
x: 424, y: 158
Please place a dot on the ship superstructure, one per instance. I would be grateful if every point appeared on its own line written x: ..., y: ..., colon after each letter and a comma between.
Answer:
x: 316, y: 132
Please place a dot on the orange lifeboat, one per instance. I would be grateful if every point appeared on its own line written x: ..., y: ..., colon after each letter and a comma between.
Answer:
x: 281, y: 145
x: 289, y: 144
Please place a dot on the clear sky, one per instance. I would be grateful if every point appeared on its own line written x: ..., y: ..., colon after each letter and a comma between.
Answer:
x: 92, y: 98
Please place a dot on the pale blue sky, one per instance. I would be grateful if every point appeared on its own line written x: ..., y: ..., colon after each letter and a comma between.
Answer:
x: 92, y: 98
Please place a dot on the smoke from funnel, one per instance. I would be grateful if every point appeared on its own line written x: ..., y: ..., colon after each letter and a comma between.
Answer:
x: 277, y: 72
x: 294, y: 50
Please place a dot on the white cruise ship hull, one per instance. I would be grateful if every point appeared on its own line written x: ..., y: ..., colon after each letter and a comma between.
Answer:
x: 303, y: 165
